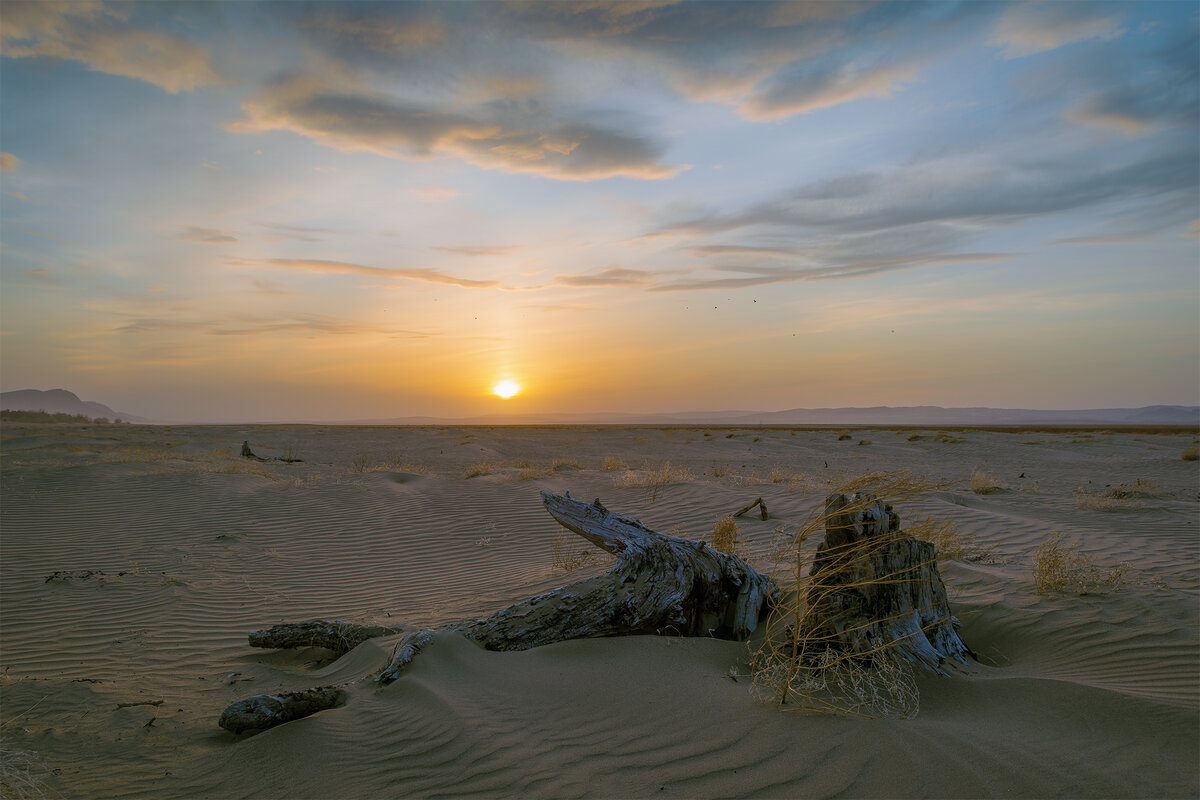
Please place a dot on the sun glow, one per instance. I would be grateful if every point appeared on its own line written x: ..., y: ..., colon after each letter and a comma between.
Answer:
x: 505, y: 389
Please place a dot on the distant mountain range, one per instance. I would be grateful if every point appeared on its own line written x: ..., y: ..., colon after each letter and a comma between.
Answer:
x: 59, y: 401
x: 879, y: 415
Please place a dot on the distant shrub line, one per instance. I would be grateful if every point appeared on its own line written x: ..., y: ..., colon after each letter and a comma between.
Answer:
x: 12, y: 415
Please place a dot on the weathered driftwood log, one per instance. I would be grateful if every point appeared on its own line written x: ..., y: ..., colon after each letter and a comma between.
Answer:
x: 268, y: 710
x: 659, y: 584
x: 332, y: 634
x: 874, y: 588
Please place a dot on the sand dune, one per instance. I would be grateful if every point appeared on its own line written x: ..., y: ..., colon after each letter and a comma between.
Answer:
x: 135, y: 559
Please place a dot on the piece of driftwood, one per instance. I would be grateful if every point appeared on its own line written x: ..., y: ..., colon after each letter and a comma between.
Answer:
x: 762, y: 507
x: 332, y: 634
x: 874, y: 588
x: 659, y: 584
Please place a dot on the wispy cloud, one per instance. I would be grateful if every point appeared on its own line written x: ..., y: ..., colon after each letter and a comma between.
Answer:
x: 612, y: 277
x: 100, y: 36
x: 206, y: 236
x: 468, y: 250
x: 1037, y: 26
x: 9, y: 162
x: 347, y: 268
x: 302, y: 233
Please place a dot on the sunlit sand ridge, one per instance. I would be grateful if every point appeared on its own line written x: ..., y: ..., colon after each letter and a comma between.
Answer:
x: 136, y: 560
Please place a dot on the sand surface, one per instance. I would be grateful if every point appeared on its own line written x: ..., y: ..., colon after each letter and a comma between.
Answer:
x: 112, y: 681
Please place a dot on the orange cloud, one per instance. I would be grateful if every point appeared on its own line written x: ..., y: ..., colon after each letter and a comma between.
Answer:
x: 91, y: 32
x: 9, y: 162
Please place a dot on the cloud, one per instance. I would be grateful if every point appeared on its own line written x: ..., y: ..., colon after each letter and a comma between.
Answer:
x: 467, y: 250
x: 96, y: 35
x: 302, y: 324
x: 1165, y: 92
x: 706, y: 250
x: 346, y: 268
x: 1035, y: 27
x: 806, y: 86
x: 206, y: 236
x: 612, y: 277
x: 856, y: 268
x: 9, y: 162
x: 435, y: 194
x: 298, y: 232
x: 489, y: 136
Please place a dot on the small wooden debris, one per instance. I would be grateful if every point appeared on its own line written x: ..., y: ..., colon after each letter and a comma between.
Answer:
x: 762, y: 507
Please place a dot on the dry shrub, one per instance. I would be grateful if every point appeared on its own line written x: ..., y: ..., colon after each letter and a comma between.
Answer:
x: 652, y: 479
x: 914, y: 437
x: 399, y: 465
x: 781, y: 475
x: 613, y: 463
x: 1060, y: 567
x: 568, y: 558
x: 20, y: 774
x: 843, y: 436
x: 801, y: 670
x: 565, y: 463
x: 721, y: 471
x: 480, y: 468
x: 946, y: 438
x: 864, y: 441
x: 360, y: 464
x: 725, y: 536
x: 986, y: 483
x: 949, y: 540
x: 1190, y: 454
x: 1116, y: 498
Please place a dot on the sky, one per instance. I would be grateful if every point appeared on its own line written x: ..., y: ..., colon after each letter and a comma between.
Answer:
x: 338, y: 211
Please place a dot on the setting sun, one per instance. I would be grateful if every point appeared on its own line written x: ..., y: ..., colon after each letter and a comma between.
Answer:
x: 505, y: 389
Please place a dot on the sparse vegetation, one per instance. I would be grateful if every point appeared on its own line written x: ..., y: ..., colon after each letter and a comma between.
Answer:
x: 725, y: 536
x: 844, y: 436
x: 612, y: 463
x: 914, y: 437
x: 568, y: 558
x: 1115, y: 498
x: 1060, y: 567
x: 1190, y: 454
x: 950, y: 542
x: 479, y: 468
x: 801, y: 672
x: 987, y: 483
x: 20, y: 774
x: 864, y: 441
x: 653, y: 479
x: 946, y: 438
x: 46, y: 417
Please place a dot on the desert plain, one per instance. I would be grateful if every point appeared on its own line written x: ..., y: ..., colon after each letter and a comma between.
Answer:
x: 134, y: 559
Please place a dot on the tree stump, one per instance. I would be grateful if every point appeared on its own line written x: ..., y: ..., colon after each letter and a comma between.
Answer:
x: 874, y: 588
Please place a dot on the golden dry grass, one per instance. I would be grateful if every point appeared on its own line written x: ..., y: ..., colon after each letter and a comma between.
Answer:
x: 478, y: 469
x: 652, y: 479
x: 1060, y: 567
x: 950, y: 542
x: 983, y: 482
x: 1190, y: 454
x: 725, y: 535
x: 569, y: 554
x: 612, y: 463
x: 1117, y: 498
x: 800, y: 672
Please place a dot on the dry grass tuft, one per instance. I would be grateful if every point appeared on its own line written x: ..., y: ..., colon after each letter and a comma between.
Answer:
x: 612, y: 463
x: 946, y: 438
x: 987, y: 483
x: 652, y: 479
x: 568, y: 558
x: 478, y: 469
x: 950, y: 542
x: 864, y: 441
x: 802, y: 672
x: 844, y: 436
x: 20, y: 774
x: 1190, y: 454
x: 914, y: 437
x: 725, y: 536
x: 1116, y: 498
x: 1060, y: 567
